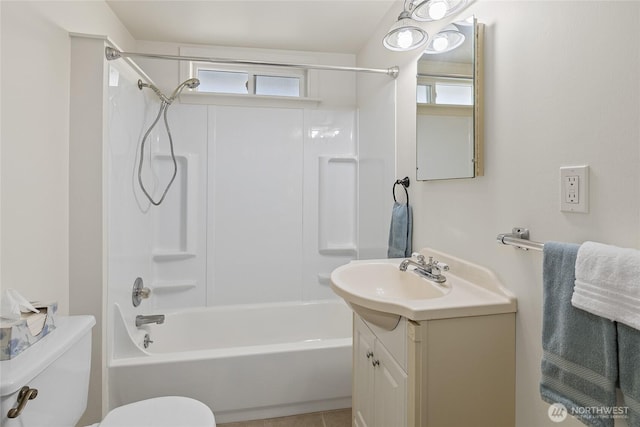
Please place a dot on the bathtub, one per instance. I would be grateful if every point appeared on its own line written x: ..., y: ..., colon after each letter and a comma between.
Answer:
x: 245, y: 362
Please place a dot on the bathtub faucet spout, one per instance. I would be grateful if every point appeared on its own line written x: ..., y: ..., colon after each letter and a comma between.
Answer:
x: 152, y: 318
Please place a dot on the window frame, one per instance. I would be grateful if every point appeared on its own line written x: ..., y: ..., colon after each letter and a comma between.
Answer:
x: 252, y: 72
x: 432, y: 82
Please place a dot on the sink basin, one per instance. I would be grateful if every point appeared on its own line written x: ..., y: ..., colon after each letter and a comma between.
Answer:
x: 384, y: 281
x: 381, y: 293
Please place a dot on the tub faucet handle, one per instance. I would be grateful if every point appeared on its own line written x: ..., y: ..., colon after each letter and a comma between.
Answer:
x: 139, y: 292
x: 146, y: 341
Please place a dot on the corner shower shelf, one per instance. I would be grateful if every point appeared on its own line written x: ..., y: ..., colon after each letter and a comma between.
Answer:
x: 337, y: 209
x: 171, y: 256
x: 183, y: 245
x: 336, y: 249
x: 167, y: 287
x: 324, y: 278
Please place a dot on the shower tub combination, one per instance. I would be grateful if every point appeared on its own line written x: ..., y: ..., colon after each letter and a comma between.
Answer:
x: 245, y: 362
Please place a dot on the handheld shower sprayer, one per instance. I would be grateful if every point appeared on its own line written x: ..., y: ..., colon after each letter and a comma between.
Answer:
x: 191, y: 84
x: 164, y: 106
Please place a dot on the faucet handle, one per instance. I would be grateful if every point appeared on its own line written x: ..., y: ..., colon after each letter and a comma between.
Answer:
x: 139, y: 292
x: 442, y: 266
x: 437, y: 267
x: 418, y: 256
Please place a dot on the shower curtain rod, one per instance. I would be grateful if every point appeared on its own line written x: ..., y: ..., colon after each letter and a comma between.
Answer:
x: 112, y: 54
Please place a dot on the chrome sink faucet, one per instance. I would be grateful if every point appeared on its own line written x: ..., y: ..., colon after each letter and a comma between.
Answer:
x: 419, y: 263
x: 431, y: 270
x: 152, y: 318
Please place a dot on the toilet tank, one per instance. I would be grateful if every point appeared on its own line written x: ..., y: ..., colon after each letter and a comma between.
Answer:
x: 58, y: 367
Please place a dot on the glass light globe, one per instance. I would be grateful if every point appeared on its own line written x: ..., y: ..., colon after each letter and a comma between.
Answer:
x: 440, y: 44
x: 434, y: 10
x: 437, y: 10
x: 405, y: 39
x: 445, y: 41
x: 405, y: 34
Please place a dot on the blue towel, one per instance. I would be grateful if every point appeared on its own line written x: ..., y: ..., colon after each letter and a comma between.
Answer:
x: 629, y: 366
x: 579, y: 365
x: 400, y: 231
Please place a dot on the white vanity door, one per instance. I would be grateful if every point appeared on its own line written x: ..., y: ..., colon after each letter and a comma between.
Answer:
x: 390, y: 390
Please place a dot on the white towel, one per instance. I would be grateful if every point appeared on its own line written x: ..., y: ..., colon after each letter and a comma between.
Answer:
x: 608, y: 282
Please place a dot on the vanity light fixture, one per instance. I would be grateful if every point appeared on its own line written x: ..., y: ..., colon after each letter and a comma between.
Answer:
x: 446, y: 40
x: 405, y: 34
x: 434, y: 10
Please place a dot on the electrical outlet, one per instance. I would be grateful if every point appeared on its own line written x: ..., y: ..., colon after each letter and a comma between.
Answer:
x: 574, y: 189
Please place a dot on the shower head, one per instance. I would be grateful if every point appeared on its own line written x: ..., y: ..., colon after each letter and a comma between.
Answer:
x: 190, y: 83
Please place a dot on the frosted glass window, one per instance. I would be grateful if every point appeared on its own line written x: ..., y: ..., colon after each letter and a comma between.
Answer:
x: 423, y: 94
x: 223, y: 81
x: 277, y: 85
x: 447, y: 94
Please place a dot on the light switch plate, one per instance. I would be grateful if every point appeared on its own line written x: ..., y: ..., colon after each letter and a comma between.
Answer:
x: 574, y: 189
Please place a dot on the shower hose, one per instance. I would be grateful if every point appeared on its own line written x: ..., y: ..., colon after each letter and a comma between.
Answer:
x: 165, y: 102
x: 162, y: 112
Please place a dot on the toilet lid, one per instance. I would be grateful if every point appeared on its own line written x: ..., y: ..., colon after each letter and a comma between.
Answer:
x: 170, y: 411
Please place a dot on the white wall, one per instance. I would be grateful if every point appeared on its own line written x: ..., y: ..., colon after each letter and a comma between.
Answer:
x: 558, y: 92
x: 35, y: 193
x: 385, y: 105
x: 376, y: 169
x: 35, y: 139
x: 35, y: 155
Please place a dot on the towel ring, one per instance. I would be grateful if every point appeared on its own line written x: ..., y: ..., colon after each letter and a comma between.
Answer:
x: 405, y: 183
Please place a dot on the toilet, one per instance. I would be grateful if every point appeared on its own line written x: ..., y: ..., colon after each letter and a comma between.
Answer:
x: 58, y: 367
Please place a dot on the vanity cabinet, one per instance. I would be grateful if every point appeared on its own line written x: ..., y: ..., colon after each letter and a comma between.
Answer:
x: 435, y: 373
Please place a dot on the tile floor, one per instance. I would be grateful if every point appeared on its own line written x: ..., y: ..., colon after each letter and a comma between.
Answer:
x: 337, y: 418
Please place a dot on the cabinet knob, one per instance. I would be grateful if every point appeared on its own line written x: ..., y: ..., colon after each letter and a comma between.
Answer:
x: 369, y: 354
x: 375, y: 363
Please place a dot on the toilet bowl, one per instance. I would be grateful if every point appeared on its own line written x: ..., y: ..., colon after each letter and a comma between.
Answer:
x: 58, y: 367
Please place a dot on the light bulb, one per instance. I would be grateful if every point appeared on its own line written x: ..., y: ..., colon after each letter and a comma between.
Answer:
x: 404, y: 34
x: 440, y: 44
x: 437, y: 10
x: 405, y: 39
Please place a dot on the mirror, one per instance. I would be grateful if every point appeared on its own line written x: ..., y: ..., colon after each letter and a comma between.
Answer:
x: 449, y: 105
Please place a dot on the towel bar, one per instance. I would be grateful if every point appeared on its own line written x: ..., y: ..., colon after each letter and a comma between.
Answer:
x: 519, y: 237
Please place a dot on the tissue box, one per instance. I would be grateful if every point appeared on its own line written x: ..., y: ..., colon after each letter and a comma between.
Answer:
x: 16, y: 336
